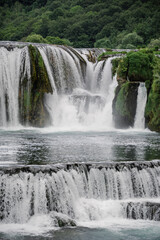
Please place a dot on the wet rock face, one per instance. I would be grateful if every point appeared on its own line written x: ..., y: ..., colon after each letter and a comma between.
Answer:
x: 61, y: 220
x: 124, y: 104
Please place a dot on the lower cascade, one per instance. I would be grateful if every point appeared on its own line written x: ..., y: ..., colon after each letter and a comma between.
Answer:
x: 73, y: 193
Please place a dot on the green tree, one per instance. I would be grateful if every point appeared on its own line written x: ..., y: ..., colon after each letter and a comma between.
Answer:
x: 154, y: 43
x: 58, y: 41
x: 83, y: 22
x: 76, y: 9
x: 103, y: 43
x: 131, y: 39
x: 35, y: 38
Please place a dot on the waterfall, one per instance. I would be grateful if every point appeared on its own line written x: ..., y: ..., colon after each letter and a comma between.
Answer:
x: 141, y: 103
x: 14, y: 67
x: 83, y: 91
x: 83, y: 192
x: 81, y: 99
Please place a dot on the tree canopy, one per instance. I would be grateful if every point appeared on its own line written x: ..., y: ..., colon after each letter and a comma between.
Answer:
x: 82, y: 23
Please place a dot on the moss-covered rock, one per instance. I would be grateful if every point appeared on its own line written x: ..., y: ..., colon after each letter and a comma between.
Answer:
x: 137, y: 66
x: 33, y: 90
x: 62, y: 220
x: 152, y: 112
x: 122, y: 70
x: 124, y: 104
x: 115, y: 63
x: 140, y: 66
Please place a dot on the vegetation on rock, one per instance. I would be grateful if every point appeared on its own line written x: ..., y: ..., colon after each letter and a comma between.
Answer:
x: 152, y: 112
x: 32, y: 100
x: 35, y: 38
x: 110, y: 53
x: 137, y: 66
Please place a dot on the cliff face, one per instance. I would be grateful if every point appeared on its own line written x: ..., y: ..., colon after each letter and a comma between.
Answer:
x: 134, y: 68
x: 124, y: 104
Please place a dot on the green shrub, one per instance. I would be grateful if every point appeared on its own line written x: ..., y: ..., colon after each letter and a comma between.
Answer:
x: 137, y: 66
x: 115, y: 63
x: 35, y: 38
x: 102, y: 43
x: 140, y: 66
x: 152, y: 111
x: 58, y: 41
x: 154, y: 43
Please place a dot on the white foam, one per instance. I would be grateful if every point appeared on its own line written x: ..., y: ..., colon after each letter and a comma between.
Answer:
x: 37, y: 225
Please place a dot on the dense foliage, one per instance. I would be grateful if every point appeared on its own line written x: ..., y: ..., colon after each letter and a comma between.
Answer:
x: 153, y: 104
x: 82, y: 23
x: 137, y: 66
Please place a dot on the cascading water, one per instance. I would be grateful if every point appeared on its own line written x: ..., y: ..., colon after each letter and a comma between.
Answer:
x: 81, y: 192
x: 85, y: 101
x: 141, y: 103
x: 14, y: 67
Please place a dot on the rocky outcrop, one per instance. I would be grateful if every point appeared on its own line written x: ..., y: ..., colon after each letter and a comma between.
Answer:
x: 62, y: 220
x: 80, y: 167
x: 124, y: 104
x: 142, y: 210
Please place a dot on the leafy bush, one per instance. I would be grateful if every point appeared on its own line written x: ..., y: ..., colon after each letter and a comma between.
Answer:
x: 152, y: 112
x: 140, y: 66
x: 35, y: 38
x: 130, y: 41
x: 154, y: 43
x: 58, y: 41
x: 102, y: 43
x: 115, y: 63
x: 137, y: 66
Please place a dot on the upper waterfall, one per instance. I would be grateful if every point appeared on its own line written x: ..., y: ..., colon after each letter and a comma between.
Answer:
x: 81, y: 95
x: 89, y: 104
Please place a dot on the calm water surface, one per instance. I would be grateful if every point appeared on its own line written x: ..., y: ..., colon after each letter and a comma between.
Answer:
x: 47, y: 147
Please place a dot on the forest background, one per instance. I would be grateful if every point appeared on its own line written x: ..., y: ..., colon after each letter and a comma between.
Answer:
x: 82, y: 23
